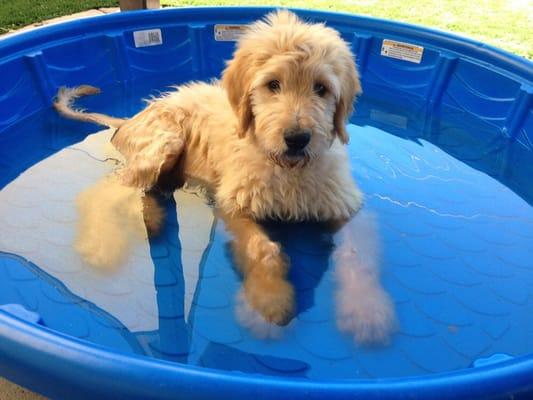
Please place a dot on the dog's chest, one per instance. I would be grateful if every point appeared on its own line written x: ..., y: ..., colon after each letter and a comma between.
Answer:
x: 311, y: 194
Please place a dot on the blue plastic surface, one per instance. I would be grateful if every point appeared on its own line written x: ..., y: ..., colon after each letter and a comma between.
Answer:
x: 443, y: 151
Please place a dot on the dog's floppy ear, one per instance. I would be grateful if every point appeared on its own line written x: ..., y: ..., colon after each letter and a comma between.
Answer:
x: 350, y: 88
x: 236, y: 80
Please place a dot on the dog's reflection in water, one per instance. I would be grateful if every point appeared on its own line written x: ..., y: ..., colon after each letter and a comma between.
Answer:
x: 113, y: 218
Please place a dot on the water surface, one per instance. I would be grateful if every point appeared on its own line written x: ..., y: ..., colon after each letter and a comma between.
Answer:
x: 452, y: 203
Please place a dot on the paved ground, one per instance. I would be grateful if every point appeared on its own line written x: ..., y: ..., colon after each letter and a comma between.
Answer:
x: 8, y: 390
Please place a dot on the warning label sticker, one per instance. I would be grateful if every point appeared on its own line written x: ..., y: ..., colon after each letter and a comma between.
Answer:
x: 229, y: 33
x: 402, y: 51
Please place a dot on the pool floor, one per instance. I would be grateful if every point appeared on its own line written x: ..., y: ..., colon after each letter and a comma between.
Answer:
x: 450, y: 205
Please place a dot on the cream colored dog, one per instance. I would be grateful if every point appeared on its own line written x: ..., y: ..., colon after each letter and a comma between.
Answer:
x: 268, y: 141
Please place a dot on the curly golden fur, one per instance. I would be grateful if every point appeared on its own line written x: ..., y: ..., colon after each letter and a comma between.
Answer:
x: 285, y: 76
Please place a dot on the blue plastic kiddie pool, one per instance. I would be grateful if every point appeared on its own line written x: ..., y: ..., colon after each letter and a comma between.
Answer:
x: 441, y: 145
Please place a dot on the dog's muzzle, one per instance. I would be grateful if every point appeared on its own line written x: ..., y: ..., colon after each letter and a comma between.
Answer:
x: 296, y: 140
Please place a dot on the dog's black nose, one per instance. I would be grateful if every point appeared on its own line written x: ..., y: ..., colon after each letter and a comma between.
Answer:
x: 297, y: 140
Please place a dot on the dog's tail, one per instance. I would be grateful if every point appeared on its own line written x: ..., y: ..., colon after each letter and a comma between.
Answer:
x: 66, y: 96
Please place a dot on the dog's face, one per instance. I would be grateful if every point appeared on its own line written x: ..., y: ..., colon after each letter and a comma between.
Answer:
x: 292, y: 86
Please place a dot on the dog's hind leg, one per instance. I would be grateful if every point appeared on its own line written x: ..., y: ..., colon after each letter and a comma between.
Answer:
x: 154, y: 157
x: 264, y: 268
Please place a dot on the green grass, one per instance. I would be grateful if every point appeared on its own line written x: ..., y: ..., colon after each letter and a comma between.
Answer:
x: 503, y: 23
x: 507, y: 24
x: 18, y: 13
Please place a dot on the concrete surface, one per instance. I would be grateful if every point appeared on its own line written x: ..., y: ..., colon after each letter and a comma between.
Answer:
x: 10, y: 391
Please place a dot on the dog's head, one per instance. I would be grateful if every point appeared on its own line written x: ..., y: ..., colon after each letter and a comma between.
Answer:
x: 292, y: 86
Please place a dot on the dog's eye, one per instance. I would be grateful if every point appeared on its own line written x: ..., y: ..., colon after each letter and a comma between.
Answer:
x: 320, y: 89
x: 274, y: 86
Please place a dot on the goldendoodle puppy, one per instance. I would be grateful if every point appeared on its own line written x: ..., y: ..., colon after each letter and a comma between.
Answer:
x: 268, y: 142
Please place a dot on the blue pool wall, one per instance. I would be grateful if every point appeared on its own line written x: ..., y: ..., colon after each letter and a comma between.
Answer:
x: 455, y: 72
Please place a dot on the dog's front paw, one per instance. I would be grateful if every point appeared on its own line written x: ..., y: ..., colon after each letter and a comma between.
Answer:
x: 264, y: 251
x: 368, y: 316
x: 271, y: 297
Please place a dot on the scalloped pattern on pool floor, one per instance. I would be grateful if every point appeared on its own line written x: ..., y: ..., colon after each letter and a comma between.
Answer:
x: 456, y: 259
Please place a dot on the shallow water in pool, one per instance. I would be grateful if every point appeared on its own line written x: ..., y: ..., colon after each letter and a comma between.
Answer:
x: 450, y: 205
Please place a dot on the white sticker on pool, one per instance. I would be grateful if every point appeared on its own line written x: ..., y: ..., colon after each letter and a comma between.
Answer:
x: 229, y: 33
x: 402, y: 51
x: 151, y: 37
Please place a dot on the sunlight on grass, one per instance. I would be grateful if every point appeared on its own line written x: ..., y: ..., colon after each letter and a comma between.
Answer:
x: 502, y: 23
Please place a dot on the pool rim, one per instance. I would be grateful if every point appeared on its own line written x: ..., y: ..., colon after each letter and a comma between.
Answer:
x: 18, y: 338
x: 57, y: 353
